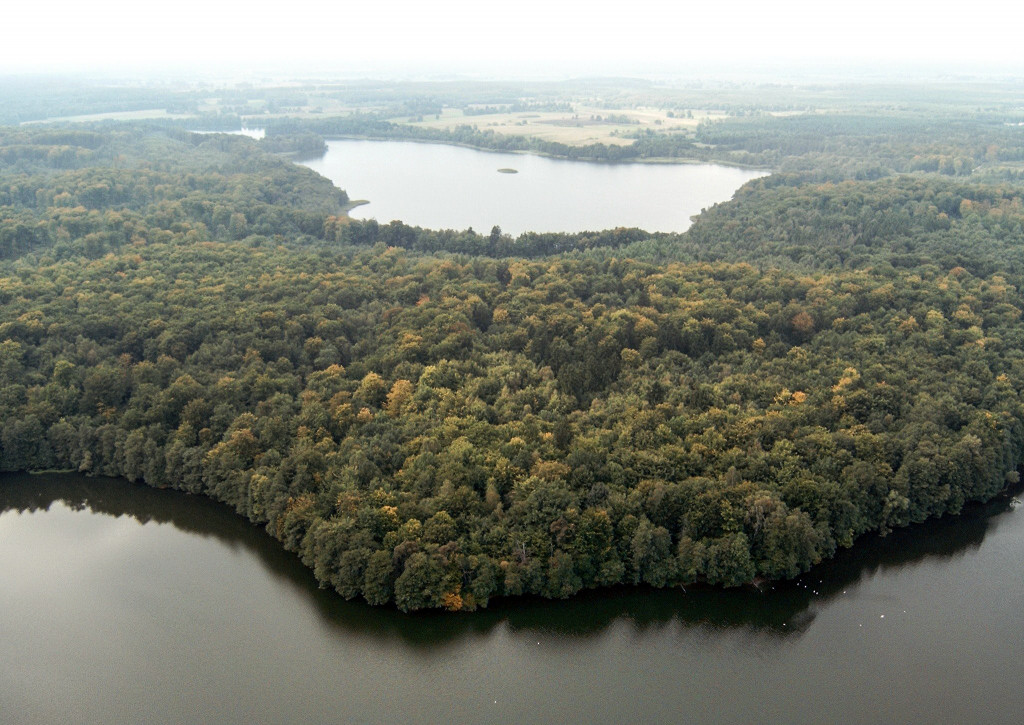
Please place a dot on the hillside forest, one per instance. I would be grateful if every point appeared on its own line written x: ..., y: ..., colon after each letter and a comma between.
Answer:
x: 436, y: 418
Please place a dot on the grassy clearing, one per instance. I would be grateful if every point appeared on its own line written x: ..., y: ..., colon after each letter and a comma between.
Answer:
x: 584, y: 125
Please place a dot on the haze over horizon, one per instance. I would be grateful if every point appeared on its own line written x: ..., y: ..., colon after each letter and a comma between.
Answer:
x: 532, y: 38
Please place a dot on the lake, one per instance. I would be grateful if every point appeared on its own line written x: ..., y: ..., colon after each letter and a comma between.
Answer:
x: 121, y: 603
x: 448, y: 187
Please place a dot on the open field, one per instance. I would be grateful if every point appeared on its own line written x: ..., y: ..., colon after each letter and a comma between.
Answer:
x: 579, y: 127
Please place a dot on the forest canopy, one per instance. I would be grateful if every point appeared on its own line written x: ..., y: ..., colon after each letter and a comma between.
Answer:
x: 434, y: 418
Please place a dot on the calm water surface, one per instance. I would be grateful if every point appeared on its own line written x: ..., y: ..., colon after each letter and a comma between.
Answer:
x: 120, y: 603
x: 448, y: 187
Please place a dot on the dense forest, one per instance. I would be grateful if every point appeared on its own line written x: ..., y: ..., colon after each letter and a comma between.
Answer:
x: 434, y: 418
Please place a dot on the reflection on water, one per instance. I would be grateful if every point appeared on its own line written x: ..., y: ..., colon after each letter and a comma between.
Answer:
x: 120, y: 603
x: 780, y: 608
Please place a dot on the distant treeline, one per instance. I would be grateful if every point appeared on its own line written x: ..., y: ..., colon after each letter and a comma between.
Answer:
x: 517, y: 107
x: 374, y: 126
x: 494, y: 244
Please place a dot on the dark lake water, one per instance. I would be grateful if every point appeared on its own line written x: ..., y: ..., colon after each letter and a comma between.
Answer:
x: 448, y: 187
x: 120, y: 603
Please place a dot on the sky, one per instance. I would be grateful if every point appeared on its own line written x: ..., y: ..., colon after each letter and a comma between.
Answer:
x: 525, y: 37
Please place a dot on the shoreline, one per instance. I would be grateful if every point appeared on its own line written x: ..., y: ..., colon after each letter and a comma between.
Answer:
x: 760, y: 584
x: 665, y: 160
x: 352, y: 204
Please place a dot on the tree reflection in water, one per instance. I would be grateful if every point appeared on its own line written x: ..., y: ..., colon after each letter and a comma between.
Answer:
x: 778, y: 610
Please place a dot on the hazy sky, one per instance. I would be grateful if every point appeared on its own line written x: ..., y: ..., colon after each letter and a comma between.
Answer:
x: 525, y: 35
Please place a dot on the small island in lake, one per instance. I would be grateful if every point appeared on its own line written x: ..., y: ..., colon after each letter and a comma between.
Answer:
x: 508, y: 171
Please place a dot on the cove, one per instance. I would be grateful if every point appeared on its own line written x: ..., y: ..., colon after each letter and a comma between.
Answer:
x: 122, y: 603
x: 449, y: 187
